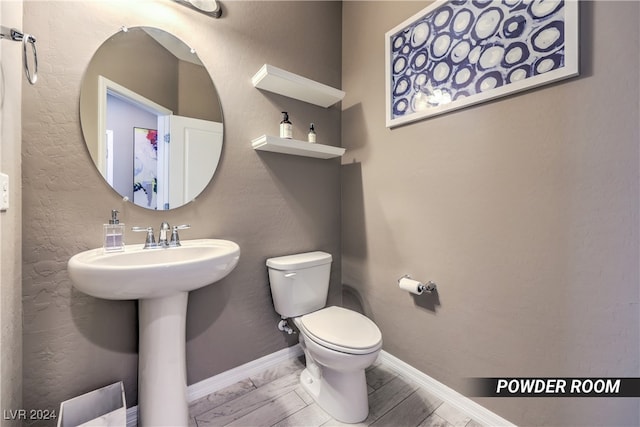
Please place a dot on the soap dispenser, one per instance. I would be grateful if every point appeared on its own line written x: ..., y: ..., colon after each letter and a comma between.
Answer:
x: 286, y: 127
x: 311, y: 137
x: 114, y: 234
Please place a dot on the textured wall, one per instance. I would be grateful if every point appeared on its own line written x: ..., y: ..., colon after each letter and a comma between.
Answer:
x: 269, y: 204
x: 10, y: 220
x: 524, y: 210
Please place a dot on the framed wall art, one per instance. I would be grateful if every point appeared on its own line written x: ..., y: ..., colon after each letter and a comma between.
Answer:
x: 457, y: 53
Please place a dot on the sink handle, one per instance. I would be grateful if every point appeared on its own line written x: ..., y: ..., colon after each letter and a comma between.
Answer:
x: 175, y: 239
x: 150, y: 241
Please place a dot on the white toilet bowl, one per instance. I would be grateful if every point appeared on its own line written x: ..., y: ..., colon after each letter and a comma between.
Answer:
x: 339, y: 344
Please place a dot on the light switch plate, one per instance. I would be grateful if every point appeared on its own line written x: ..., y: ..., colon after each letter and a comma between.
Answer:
x: 4, y: 191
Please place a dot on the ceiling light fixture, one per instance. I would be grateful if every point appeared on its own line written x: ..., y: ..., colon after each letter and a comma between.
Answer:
x: 208, y: 7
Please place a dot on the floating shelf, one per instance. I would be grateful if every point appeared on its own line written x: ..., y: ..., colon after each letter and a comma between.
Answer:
x: 276, y: 80
x: 296, y: 147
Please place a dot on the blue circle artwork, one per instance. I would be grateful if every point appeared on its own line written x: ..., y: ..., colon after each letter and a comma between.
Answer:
x: 465, y: 48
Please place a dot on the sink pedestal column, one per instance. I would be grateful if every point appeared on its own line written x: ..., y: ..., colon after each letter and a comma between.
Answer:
x: 162, y: 372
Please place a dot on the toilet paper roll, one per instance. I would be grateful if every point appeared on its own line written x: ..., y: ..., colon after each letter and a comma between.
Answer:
x: 410, y: 285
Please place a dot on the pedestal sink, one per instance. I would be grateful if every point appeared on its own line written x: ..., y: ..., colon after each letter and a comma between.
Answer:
x: 160, y: 279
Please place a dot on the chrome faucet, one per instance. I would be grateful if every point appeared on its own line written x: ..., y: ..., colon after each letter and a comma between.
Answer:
x: 163, y: 240
x: 163, y: 236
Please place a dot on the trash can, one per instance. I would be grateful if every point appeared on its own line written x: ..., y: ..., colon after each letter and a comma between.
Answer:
x: 103, y: 407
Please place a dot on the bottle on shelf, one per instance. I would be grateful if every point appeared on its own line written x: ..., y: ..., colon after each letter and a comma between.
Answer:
x: 286, y: 127
x: 311, y: 137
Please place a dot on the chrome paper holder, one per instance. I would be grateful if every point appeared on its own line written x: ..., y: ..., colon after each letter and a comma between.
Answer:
x: 18, y: 36
x: 428, y: 287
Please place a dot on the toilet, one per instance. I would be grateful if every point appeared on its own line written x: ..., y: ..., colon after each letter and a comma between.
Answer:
x: 339, y: 344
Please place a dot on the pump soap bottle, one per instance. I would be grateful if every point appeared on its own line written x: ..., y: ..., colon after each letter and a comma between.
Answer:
x: 311, y: 137
x: 286, y: 128
x: 114, y: 234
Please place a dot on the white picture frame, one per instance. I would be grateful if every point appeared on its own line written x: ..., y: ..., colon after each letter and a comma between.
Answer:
x: 457, y: 53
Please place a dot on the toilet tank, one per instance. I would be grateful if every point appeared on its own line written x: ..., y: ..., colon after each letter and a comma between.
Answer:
x: 300, y: 282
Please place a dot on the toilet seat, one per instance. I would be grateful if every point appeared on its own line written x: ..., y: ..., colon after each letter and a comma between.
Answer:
x: 342, y: 330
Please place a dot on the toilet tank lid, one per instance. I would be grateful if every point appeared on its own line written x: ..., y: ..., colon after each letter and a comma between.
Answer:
x: 298, y: 261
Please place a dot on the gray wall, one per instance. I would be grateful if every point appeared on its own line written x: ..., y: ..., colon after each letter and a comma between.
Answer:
x: 11, y: 220
x: 269, y: 204
x: 524, y: 210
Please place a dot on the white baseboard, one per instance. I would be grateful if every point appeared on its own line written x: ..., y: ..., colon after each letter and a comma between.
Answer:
x: 232, y: 376
x: 478, y: 412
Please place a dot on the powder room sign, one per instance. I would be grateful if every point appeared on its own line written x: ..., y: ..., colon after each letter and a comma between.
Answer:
x: 456, y: 53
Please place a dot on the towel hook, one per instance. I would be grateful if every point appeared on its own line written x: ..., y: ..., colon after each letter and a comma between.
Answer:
x: 18, y: 36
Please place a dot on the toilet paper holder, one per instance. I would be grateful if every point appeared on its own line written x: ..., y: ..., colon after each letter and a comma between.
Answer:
x: 428, y: 287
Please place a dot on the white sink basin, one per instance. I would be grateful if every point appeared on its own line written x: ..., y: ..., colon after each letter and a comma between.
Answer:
x: 139, y: 273
x: 160, y: 279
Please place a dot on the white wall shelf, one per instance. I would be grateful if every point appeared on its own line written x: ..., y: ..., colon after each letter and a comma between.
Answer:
x: 277, y: 80
x: 296, y: 147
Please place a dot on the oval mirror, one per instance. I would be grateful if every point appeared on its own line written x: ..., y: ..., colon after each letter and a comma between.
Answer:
x: 151, y: 118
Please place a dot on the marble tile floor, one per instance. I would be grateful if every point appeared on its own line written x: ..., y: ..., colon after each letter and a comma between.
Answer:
x: 275, y: 398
